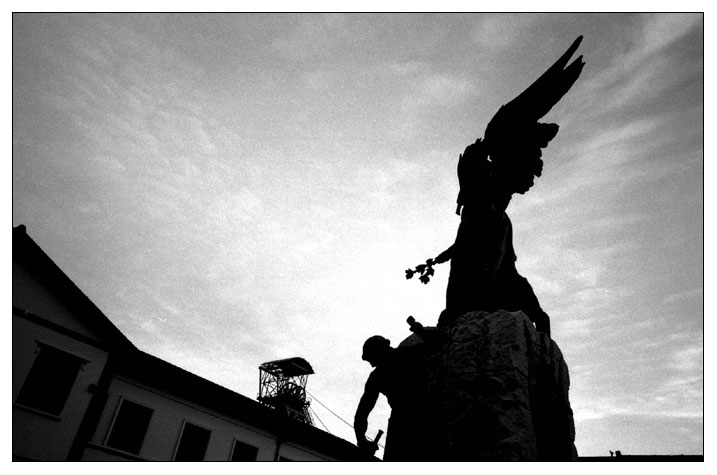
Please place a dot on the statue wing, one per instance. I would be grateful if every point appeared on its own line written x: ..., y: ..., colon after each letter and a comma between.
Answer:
x: 519, y: 117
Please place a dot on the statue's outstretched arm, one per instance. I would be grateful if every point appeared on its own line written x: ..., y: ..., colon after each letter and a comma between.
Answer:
x: 444, y: 256
x: 425, y: 271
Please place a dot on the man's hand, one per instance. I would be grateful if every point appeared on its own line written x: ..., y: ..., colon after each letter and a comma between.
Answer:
x: 367, y: 445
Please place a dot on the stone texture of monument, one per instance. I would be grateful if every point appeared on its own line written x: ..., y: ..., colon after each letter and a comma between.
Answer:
x: 501, y: 391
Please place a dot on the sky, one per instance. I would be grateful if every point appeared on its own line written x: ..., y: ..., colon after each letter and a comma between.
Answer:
x: 235, y: 189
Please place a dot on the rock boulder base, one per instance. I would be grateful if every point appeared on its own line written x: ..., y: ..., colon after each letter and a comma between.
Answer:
x: 500, y: 390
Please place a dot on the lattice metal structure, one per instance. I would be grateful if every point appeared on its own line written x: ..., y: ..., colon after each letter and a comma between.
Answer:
x: 282, y: 385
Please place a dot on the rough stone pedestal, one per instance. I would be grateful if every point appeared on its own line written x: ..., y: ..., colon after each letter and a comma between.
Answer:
x: 501, y: 391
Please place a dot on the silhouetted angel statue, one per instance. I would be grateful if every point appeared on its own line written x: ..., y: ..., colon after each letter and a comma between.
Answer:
x: 483, y: 275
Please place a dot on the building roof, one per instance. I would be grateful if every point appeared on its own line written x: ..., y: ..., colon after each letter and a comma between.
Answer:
x: 288, y: 367
x: 30, y: 256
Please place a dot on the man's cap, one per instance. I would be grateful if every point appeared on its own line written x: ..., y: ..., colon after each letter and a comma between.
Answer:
x: 374, y: 344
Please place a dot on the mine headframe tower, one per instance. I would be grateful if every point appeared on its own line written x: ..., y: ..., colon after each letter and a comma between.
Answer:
x: 282, y: 386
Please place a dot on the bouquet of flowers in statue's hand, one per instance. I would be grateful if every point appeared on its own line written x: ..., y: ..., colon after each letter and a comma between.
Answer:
x: 425, y: 271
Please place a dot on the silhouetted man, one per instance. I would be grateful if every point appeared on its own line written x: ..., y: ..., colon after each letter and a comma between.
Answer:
x: 400, y: 374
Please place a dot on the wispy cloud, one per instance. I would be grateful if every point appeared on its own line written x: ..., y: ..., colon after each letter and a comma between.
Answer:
x: 682, y: 296
x: 659, y: 31
x: 642, y: 69
x: 500, y: 32
x: 315, y: 36
x: 440, y: 90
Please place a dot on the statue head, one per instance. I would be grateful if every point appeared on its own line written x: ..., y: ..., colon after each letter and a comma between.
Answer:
x: 375, y: 350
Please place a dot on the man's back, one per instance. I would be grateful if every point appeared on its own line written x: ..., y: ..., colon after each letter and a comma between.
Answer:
x: 402, y: 379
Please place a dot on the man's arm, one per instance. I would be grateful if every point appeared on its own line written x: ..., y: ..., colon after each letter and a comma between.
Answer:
x: 365, y: 406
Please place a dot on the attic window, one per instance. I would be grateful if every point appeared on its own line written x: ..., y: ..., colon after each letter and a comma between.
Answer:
x: 50, y: 380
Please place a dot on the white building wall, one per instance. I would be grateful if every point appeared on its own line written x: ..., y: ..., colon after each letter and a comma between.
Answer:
x: 165, y: 427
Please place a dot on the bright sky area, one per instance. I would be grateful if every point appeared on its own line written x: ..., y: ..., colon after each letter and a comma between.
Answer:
x: 235, y: 189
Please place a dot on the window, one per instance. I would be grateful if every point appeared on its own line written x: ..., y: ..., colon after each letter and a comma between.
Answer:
x: 243, y: 452
x: 50, y: 380
x: 130, y: 427
x: 192, y: 444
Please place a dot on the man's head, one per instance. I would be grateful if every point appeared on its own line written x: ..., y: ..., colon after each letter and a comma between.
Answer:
x: 375, y: 350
